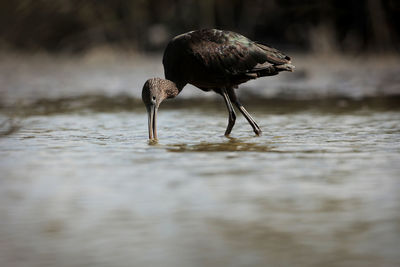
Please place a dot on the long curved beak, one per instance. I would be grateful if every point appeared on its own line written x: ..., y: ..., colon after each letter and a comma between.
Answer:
x: 152, y: 121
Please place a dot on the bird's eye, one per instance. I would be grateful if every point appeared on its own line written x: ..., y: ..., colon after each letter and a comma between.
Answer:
x: 154, y: 98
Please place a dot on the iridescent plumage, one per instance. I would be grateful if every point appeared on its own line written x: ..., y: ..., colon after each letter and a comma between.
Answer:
x: 215, y: 60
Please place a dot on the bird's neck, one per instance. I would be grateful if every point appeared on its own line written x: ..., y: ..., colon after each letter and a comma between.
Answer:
x: 173, y: 89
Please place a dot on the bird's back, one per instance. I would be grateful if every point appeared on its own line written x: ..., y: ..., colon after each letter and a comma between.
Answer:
x: 212, y: 58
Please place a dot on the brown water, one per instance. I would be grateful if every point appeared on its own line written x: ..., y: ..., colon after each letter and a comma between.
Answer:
x: 81, y: 186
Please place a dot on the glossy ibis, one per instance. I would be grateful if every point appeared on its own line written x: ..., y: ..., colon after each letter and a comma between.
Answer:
x: 214, y: 60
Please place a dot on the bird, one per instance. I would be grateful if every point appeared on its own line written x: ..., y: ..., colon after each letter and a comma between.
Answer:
x: 212, y: 60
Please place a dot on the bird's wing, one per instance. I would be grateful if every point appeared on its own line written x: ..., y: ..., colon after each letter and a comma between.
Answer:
x: 232, y: 54
x: 273, y: 55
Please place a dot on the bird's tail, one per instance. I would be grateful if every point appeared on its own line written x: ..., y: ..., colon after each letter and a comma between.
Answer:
x: 269, y: 70
x: 284, y: 67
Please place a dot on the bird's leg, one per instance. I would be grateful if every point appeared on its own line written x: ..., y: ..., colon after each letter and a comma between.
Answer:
x: 252, y: 122
x: 232, y: 115
x: 248, y: 117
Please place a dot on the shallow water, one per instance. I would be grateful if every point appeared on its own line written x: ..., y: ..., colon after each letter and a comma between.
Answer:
x: 316, y: 189
x: 81, y: 186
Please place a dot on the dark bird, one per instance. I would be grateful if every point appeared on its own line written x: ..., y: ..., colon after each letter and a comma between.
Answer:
x: 212, y: 60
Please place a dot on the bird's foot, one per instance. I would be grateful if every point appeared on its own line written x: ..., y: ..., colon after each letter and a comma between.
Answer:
x: 258, y: 132
x: 152, y: 142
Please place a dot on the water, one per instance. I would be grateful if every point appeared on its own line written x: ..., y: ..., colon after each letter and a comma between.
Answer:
x: 81, y: 186
x: 318, y: 188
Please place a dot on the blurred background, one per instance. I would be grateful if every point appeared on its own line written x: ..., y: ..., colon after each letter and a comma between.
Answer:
x: 74, y: 26
x: 52, y: 50
x: 81, y: 186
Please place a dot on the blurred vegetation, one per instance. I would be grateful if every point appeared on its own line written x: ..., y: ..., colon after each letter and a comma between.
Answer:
x: 146, y: 25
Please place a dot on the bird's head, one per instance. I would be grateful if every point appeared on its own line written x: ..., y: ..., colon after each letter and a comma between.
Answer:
x: 155, y: 90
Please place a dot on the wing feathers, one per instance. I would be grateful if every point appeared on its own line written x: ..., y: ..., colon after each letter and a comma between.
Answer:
x: 273, y: 55
x: 230, y: 54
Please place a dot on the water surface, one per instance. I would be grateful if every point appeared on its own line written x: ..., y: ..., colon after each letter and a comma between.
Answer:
x: 85, y: 188
x: 81, y: 186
